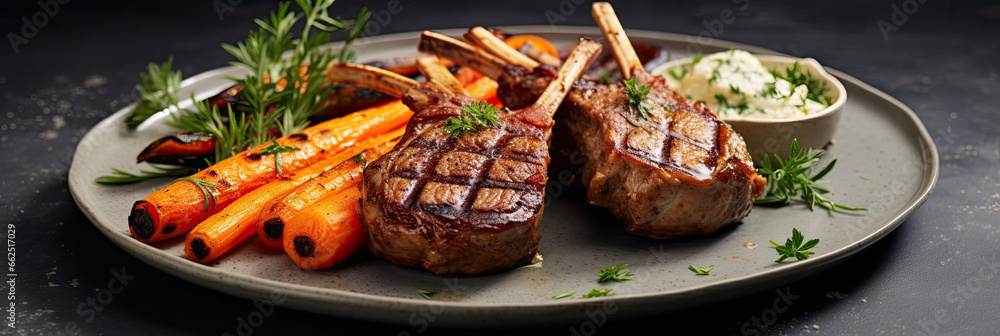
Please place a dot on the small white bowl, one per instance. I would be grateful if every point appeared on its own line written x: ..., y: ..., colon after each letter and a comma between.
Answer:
x: 766, y: 136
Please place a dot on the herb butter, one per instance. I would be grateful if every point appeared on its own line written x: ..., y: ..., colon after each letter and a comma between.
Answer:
x: 736, y: 85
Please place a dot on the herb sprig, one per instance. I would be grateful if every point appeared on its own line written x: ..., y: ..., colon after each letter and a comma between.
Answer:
x: 119, y: 176
x: 636, y: 93
x: 795, y: 178
x: 207, y: 189
x: 616, y: 273
x: 474, y: 117
x: 701, y: 271
x: 794, y: 247
x: 276, y: 149
x: 563, y: 295
x: 426, y: 293
x: 597, y: 293
x: 159, y: 90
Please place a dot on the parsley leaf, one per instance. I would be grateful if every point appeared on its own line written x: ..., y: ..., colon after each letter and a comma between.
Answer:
x: 616, y: 273
x: 636, y: 93
x: 701, y: 271
x: 597, y: 293
x: 474, y: 117
x: 794, y: 248
x: 795, y: 178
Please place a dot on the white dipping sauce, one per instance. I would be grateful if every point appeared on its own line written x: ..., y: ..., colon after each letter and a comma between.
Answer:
x: 735, y: 85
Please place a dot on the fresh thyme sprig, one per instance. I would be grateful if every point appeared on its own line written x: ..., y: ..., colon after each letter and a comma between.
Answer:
x: 207, y: 189
x: 276, y: 149
x: 474, y: 117
x: 794, y: 248
x: 427, y: 293
x: 636, y: 93
x: 616, y: 273
x: 159, y: 90
x: 701, y: 271
x: 597, y: 293
x: 119, y: 176
x: 795, y: 178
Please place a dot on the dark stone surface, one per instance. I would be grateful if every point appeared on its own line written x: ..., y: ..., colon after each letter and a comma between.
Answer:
x: 928, y: 276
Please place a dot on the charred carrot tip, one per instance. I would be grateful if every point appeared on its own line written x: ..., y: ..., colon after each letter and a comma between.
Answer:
x: 303, y: 246
x: 199, y: 248
x: 140, y: 222
x: 273, y: 228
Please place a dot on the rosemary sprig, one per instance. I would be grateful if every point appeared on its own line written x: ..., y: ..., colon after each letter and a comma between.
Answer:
x: 636, y: 93
x: 474, y: 117
x: 795, y: 178
x: 122, y: 177
x: 276, y: 149
x: 159, y: 90
x: 794, y: 247
x: 207, y: 189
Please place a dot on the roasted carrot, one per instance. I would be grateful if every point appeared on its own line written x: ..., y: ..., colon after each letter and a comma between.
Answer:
x: 176, y: 209
x: 327, y: 232
x: 539, y: 42
x: 275, y: 213
x: 224, y: 230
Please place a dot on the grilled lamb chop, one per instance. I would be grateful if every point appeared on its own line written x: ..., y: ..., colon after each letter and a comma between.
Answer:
x: 679, y: 172
x: 465, y: 205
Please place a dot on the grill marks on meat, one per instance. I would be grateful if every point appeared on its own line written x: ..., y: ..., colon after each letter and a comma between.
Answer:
x: 465, y: 205
x: 479, y: 181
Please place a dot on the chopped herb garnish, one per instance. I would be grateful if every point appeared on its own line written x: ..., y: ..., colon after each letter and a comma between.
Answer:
x: 606, y: 77
x: 697, y: 58
x: 362, y: 159
x: 159, y: 90
x: 701, y: 271
x: 597, y: 293
x: 207, y: 189
x: 427, y: 293
x: 678, y: 76
x: 797, y: 76
x: 734, y: 90
x: 794, y: 248
x: 560, y: 296
x: 795, y: 178
x: 636, y: 93
x: 616, y: 273
x: 276, y: 149
x: 474, y: 117
x: 122, y: 177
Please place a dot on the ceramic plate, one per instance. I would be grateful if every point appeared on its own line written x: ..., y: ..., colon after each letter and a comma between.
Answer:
x: 887, y: 163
